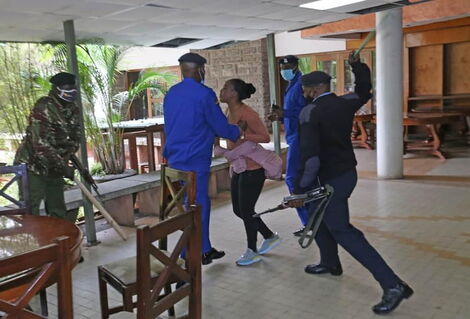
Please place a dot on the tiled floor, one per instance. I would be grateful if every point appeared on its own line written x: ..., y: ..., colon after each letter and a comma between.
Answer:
x: 421, y: 227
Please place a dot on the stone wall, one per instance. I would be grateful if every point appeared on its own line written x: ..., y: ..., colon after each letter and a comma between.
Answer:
x: 247, y: 61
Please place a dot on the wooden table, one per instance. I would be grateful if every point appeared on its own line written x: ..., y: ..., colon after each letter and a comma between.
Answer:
x: 431, y: 145
x: 23, y: 233
x: 143, y: 128
x: 362, y: 139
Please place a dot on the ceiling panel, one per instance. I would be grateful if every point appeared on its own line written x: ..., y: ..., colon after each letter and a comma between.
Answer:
x: 34, y: 6
x: 132, y: 3
x: 257, y: 9
x: 91, y: 9
x: 144, y: 28
x: 147, y: 22
x: 99, y: 26
x: 290, y: 2
x: 140, y: 13
x: 205, y: 43
x: 295, y: 14
x: 359, y: 6
x: 184, y: 4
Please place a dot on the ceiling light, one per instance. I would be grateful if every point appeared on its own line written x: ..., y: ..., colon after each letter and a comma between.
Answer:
x: 328, y: 4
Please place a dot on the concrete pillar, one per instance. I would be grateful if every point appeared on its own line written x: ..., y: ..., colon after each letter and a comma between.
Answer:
x: 389, y: 44
x: 69, y: 33
x: 273, y: 88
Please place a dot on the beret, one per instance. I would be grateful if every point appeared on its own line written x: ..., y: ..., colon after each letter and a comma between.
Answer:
x: 63, y: 78
x: 288, y: 59
x: 192, y: 57
x: 315, y: 78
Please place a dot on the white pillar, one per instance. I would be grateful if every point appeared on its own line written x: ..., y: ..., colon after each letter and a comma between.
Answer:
x: 389, y: 44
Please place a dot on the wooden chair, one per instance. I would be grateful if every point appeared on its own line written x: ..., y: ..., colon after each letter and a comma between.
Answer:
x: 22, y: 205
x: 150, y: 301
x: 176, y: 187
x: 36, y: 268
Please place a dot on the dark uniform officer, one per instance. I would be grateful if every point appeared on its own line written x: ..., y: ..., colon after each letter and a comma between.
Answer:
x: 327, y: 153
x: 52, y: 135
x: 294, y: 102
x: 193, y: 119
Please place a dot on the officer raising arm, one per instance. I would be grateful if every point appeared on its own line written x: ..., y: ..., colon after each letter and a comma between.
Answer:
x: 52, y: 135
x: 327, y: 153
x: 193, y: 119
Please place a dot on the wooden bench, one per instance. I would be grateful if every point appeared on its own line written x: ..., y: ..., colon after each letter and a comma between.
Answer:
x: 141, y: 193
x: 123, y: 197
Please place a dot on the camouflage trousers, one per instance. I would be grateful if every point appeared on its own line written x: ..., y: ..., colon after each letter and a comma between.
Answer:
x: 51, y: 190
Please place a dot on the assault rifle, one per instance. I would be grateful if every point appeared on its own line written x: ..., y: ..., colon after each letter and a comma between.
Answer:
x: 323, y: 193
x: 84, y: 173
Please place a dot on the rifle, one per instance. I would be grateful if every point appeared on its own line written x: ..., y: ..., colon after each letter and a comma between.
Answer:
x: 323, y: 193
x: 84, y: 173
x: 310, y: 196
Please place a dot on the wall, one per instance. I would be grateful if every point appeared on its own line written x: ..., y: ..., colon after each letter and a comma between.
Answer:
x: 247, y: 61
x: 292, y: 43
x: 137, y: 58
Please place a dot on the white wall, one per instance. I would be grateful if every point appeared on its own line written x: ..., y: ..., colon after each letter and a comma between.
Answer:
x: 145, y: 57
x: 292, y: 43
x: 286, y: 43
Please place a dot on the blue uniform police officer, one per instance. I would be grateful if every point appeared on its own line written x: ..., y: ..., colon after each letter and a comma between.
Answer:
x: 294, y: 102
x: 193, y: 118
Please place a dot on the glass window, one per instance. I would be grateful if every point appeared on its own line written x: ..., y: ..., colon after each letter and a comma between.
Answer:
x: 330, y: 68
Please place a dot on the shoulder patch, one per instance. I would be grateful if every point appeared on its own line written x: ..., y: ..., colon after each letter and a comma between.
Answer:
x: 304, y: 115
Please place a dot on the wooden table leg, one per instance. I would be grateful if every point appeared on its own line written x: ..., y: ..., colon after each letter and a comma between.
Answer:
x: 436, y: 141
x: 151, y: 151
x: 363, y: 141
x: 133, y: 153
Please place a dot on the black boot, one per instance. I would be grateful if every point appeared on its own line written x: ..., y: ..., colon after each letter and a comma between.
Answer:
x: 212, y: 254
x: 392, y: 298
x: 321, y: 269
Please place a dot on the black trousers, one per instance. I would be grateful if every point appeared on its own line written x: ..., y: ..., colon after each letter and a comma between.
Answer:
x: 246, y: 188
x: 336, y: 229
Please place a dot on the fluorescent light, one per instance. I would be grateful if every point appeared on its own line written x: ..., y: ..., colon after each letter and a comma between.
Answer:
x: 328, y: 4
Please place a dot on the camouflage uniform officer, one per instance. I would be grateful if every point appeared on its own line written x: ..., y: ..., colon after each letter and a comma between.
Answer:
x: 52, y: 135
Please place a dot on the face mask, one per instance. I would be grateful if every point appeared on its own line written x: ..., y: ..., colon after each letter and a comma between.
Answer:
x: 68, y: 95
x: 202, y: 75
x: 287, y: 74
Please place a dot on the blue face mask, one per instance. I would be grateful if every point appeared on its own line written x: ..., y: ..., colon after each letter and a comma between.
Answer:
x: 287, y: 74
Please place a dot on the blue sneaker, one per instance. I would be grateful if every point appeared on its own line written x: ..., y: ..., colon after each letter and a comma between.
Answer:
x: 248, y: 258
x: 269, y: 244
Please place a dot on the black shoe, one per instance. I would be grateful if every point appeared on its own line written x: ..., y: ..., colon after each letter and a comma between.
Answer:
x: 392, y: 298
x: 211, y: 255
x: 81, y: 260
x: 321, y: 269
x: 180, y: 284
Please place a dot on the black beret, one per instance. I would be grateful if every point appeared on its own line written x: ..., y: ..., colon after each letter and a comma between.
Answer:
x: 192, y: 57
x: 315, y: 78
x: 63, y: 78
x: 289, y: 59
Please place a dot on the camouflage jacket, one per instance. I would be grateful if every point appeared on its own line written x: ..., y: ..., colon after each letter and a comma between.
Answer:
x: 52, y: 135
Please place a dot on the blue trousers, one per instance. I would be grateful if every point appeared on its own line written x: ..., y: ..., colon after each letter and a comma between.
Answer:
x: 202, y: 199
x: 336, y: 229
x: 292, y: 168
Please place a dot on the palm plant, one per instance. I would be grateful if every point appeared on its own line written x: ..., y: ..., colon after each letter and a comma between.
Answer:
x: 103, y: 108
x: 305, y: 65
x: 22, y: 81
